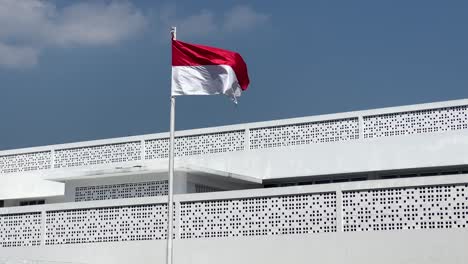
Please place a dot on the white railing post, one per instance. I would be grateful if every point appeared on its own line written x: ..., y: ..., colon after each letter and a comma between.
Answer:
x: 52, y: 159
x: 142, y: 150
x: 339, y: 210
x: 43, y: 227
x: 247, y: 139
x: 361, y: 126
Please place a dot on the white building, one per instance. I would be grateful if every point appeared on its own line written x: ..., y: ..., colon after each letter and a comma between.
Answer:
x: 379, y: 186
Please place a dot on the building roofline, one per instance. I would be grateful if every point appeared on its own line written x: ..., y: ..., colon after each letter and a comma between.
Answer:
x: 242, y: 126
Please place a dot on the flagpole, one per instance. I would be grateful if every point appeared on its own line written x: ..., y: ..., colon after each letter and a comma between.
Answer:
x: 170, y: 203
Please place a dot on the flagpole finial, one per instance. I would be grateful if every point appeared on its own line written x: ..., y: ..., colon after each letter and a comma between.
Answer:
x: 174, y: 33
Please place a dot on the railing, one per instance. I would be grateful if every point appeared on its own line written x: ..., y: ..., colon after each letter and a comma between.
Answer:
x: 387, y: 122
x: 438, y: 202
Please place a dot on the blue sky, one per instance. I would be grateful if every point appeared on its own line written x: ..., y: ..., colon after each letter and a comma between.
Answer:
x: 84, y: 70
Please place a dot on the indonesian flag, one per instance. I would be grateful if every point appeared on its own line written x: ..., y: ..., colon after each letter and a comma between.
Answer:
x: 203, y: 70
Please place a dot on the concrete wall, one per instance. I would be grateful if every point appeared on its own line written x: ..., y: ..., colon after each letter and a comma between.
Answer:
x: 364, y: 155
x: 386, y: 247
x: 438, y: 245
x: 21, y: 186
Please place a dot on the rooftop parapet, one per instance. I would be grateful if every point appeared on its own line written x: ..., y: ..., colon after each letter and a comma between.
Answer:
x: 322, y: 129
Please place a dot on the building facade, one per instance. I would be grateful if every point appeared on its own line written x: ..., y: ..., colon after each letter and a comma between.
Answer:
x: 377, y: 186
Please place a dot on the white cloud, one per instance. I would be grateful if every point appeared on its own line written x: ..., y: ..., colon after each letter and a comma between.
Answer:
x: 23, y: 20
x: 97, y: 24
x: 243, y: 18
x: 236, y: 19
x: 31, y: 25
x: 198, y: 25
x: 17, y: 57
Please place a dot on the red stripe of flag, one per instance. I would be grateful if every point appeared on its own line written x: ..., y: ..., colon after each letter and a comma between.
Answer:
x: 186, y: 54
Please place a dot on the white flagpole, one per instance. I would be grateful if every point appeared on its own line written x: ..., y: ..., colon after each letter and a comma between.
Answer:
x: 170, y: 203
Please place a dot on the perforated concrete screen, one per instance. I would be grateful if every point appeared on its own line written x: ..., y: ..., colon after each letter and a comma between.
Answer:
x: 433, y: 207
x: 197, y: 144
x: 295, y: 214
x: 307, y: 133
x: 157, y: 148
x: 210, y: 143
x: 416, y: 122
x: 25, y: 162
x: 121, y: 191
x: 127, y: 223
x: 442, y: 206
x: 363, y: 125
x: 93, y: 155
x: 19, y: 230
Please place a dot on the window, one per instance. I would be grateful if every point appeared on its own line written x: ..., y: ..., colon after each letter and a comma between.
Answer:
x: 32, y: 202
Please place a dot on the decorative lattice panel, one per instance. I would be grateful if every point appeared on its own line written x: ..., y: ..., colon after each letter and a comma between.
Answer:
x: 410, y: 208
x: 416, y: 122
x: 129, y: 223
x: 20, y: 230
x: 306, y: 133
x: 157, y: 148
x: 121, y: 191
x: 104, y: 154
x: 196, y: 145
x: 25, y: 162
x: 298, y: 214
